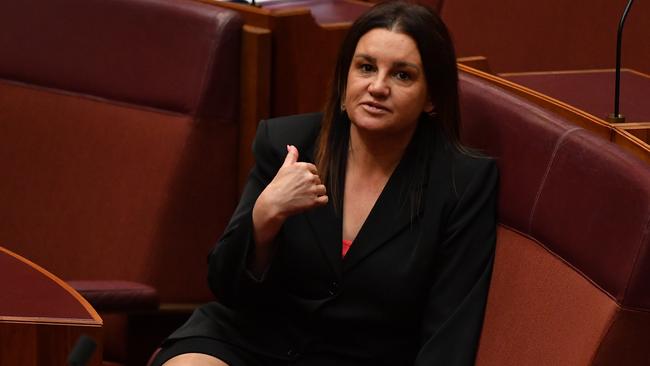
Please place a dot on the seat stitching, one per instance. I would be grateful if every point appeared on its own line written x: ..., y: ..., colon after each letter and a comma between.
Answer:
x: 559, y: 143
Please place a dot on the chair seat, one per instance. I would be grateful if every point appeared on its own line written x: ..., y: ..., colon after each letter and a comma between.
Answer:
x: 111, y: 296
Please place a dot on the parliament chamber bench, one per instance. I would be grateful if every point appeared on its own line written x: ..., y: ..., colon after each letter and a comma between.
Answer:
x: 119, y: 140
x: 571, y: 279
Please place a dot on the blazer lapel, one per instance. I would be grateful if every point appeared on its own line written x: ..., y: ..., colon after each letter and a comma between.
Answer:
x: 327, y: 227
x: 390, y: 214
x: 328, y: 230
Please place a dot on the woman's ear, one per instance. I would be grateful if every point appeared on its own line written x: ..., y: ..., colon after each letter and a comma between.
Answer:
x: 429, y: 107
x: 342, y: 101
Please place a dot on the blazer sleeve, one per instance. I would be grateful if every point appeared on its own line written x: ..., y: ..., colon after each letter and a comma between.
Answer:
x: 228, y: 276
x: 456, y: 301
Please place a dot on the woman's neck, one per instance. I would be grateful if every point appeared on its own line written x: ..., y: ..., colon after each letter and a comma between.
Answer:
x: 376, y: 153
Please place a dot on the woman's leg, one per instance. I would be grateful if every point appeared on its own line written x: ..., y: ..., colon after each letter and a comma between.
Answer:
x: 194, y: 359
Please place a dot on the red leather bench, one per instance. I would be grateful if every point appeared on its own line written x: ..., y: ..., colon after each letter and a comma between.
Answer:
x: 571, y: 283
x: 119, y: 147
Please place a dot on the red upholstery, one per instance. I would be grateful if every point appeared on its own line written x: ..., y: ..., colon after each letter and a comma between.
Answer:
x: 111, y: 296
x: 113, y: 190
x: 570, y: 284
x: 178, y: 56
x: 118, y: 143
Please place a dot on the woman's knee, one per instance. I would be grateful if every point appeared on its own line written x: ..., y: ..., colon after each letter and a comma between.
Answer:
x: 194, y: 359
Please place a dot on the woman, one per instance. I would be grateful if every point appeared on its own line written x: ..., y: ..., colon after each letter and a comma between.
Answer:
x: 389, y: 265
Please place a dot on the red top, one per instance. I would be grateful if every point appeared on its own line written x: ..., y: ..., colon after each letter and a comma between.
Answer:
x: 346, y: 246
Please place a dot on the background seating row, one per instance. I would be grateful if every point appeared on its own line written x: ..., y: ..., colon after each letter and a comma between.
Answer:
x: 118, y: 146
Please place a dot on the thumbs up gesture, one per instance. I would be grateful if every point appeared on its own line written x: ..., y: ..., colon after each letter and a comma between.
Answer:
x: 295, y: 188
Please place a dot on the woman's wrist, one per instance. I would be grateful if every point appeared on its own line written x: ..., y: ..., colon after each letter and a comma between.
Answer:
x: 267, y: 220
x: 266, y: 225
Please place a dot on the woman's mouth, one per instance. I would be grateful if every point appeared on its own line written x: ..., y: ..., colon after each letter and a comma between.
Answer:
x: 374, y: 108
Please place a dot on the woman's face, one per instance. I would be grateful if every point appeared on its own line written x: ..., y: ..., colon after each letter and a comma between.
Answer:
x: 386, y: 89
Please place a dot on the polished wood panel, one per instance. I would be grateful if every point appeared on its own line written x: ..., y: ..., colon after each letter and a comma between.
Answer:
x: 640, y: 130
x: 634, y: 137
x: 303, y: 52
x: 255, y: 91
x: 288, y: 59
x: 41, y: 344
x: 36, y: 333
x: 476, y: 62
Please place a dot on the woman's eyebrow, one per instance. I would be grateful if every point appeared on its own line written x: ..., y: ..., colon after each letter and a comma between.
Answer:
x: 373, y: 60
x: 406, y: 64
x: 366, y: 57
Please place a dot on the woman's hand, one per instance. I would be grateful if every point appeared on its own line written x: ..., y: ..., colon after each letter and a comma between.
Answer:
x: 295, y: 188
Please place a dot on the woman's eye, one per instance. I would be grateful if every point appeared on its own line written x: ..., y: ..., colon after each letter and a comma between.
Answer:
x: 403, y: 75
x: 366, y: 68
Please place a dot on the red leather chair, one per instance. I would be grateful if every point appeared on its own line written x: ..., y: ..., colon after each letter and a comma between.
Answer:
x: 571, y: 283
x: 118, y: 148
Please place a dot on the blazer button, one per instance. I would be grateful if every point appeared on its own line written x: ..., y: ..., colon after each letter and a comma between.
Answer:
x: 292, y: 353
x: 334, y: 287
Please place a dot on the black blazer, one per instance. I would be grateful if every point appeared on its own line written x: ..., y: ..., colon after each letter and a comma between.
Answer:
x: 410, y: 291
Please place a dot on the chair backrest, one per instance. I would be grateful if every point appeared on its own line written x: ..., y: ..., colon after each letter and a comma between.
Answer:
x: 571, y: 283
x: 119, y: 137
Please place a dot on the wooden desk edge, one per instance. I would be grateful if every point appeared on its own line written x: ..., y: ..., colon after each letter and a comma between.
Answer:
x: 564, y: 72
x: 91, y: 311
x: 259, y: 16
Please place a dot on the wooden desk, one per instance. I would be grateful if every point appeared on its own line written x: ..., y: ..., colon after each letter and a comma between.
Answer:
x: 41, y: 317
x: 629, y: 136
x: 592, y: 90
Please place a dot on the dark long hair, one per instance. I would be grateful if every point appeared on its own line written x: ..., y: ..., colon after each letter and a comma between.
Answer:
x: 439, y: 62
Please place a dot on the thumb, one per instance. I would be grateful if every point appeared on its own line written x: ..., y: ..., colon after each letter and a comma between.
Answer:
x: 292, y: 155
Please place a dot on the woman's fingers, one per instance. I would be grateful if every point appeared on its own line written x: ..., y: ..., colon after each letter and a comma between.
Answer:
x: 320, y: 190
x: 307, y: 166
x: 322, y: 200
x: 315, y: 179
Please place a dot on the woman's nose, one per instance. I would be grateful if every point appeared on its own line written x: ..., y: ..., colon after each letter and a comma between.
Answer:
x: 378, y: 87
